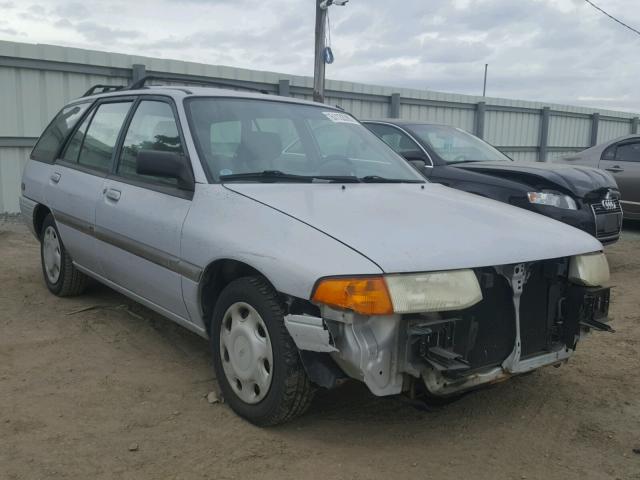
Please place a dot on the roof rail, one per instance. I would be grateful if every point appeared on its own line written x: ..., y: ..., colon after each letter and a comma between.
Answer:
x: 195, y: 81
x: 103, y: 89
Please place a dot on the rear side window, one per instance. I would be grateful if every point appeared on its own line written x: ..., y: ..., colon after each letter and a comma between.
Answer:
x: 102, y: 134
x: 56, y: 133
x: 153, y: 127
x: 75, y: 143
x: 628, y: 152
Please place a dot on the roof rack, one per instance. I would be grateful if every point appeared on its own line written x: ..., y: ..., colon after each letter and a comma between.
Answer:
x: 103, y: 89
x: 141, y: 83
x: 195, y: 81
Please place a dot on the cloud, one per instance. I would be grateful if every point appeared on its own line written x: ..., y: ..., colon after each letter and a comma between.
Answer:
x: 72, y: 10
x: 96, y: 32
x: 560, y: 51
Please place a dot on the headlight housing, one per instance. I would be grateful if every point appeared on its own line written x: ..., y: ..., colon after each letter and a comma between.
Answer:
x: 591, y: 269
x: 402, y: 293
x: 552, y: 199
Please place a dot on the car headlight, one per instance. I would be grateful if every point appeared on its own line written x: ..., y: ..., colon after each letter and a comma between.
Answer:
x: 552, y: 199
x: 591, y: 269
x: 402, y: 293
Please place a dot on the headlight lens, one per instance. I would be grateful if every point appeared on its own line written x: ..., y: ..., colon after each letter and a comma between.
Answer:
x: 552, y: 199
x: 403, y: 293
x: 434, y: 292
x: 591, y: 270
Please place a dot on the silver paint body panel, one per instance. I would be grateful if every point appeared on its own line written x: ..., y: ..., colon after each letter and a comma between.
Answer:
x: 145, y: 256
x: 404, y: 228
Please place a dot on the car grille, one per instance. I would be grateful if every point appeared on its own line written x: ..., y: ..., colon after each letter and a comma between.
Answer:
x: 608, y: 218
x: 606, y: 206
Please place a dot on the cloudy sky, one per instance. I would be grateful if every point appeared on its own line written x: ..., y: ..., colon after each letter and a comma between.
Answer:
x: 560, y: 51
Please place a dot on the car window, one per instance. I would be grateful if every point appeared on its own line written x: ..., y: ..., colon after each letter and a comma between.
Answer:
x: 395, y: 138
x: 75, y: 143
x: 102, y: 134
x: 609, y: 153
x: 454, y: 145
x: 225, y: 137
x: 56, y: 133
x: 628, y: 152
x: 153, y: 127
x: 297, y: 139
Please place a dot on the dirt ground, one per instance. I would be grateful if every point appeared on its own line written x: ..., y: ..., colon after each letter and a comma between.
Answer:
x: 79, y: 389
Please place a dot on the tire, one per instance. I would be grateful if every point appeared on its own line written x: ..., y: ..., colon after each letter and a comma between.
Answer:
x: 68, y: 280
x: 289, y: 392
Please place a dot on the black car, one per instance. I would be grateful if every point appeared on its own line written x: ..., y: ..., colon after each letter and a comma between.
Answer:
x: 584, y: 197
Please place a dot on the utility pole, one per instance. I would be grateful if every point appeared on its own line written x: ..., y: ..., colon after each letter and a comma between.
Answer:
x: 320, y: 47
x: 318, y: 67
x: 484, y: 88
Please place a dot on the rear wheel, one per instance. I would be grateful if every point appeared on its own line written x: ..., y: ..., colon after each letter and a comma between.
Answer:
x: 60, y: 275
x: 256, y: 362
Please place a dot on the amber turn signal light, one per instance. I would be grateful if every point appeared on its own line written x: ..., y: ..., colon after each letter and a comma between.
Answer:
x: 364, y: 295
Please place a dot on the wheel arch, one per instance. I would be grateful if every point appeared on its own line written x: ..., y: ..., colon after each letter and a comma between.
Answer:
x: 40, y: 212
x: 216, y: 276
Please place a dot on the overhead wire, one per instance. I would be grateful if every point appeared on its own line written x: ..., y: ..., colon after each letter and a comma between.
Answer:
x: 637, y: 32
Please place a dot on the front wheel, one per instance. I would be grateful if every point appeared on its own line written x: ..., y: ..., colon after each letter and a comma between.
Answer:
x: 255, y: 360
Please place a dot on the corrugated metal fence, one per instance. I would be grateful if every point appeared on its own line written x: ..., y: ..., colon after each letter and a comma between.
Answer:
x: 37, y: 80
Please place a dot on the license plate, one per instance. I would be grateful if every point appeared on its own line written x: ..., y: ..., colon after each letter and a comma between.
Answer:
x: 609, y: 223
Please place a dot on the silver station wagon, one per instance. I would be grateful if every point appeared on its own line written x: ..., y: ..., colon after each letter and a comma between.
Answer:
x: 302, y: 247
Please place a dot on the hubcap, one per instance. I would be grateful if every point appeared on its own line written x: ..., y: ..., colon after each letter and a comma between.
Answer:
x: 51, y: 254
x: 246, y: 353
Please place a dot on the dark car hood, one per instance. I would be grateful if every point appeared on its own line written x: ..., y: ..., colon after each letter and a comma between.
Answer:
x: 575, y: 179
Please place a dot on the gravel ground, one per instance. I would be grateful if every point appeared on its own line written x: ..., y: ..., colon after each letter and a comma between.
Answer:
x: 100, y: 387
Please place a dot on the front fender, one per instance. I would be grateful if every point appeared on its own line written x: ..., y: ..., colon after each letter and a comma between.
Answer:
x: 292, y: 255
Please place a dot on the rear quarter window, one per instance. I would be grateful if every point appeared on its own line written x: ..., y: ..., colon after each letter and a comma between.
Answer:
x: 54, y: 136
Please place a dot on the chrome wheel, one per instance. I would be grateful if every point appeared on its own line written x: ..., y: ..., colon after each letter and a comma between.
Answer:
x: 51, y: 254
x: 246, y: 352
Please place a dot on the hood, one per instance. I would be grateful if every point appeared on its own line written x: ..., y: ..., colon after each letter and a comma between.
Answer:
x: 572, y: 178
x: 405, y: 228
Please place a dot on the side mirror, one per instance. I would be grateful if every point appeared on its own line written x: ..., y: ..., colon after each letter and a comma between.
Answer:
x: 416, y: 158
x: 165, y: 165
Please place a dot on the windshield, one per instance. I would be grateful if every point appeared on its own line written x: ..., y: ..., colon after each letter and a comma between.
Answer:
x: 288, y: 142
x: 456, y: 146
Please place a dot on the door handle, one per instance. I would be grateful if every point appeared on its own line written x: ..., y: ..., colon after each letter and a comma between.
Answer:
x: 113, y: 194
x: 55, y: 177
x: 615, y: 168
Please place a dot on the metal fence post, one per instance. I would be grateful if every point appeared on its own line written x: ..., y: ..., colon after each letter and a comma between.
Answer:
x: 634, y: 124
x: 595, y: 120
x: 394, y: 106
x: 284, y: 88
x: 480, y: 111
x: 544, y: 134
x: 138, y: 71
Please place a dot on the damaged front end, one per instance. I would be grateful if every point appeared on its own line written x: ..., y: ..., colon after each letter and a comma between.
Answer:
x: 530, y: 315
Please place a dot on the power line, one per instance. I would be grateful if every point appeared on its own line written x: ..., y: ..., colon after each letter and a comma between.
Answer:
x: 637, y: 32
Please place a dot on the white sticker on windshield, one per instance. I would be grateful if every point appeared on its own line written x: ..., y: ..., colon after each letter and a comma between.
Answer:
x: 339, y: 117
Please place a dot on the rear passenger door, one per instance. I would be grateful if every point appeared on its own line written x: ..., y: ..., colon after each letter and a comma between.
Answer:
x: 139, y: 218
x: 622, y: 160
x: 77, y: 177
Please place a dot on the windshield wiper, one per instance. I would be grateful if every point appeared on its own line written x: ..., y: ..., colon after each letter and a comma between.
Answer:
x: 272, y: 176
x: 378, y: 179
